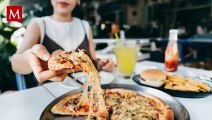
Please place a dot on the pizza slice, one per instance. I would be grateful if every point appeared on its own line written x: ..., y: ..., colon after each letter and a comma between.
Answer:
x: 60, y: 60
x: 78, y: 60
x: 67, y: 106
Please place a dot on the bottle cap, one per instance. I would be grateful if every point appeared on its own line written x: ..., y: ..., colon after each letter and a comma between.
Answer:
x: 173, y: 33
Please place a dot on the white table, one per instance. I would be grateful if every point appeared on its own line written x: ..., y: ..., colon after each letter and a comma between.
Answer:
x: 24, y: 105
x: 29, y: 104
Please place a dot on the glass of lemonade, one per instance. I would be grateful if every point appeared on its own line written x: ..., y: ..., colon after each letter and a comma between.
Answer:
x: 126, y: 55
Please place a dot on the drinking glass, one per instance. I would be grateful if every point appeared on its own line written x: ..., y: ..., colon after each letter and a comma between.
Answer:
x: 126, y: 55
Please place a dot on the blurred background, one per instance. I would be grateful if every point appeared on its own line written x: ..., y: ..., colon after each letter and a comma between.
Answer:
x: 147, y: 20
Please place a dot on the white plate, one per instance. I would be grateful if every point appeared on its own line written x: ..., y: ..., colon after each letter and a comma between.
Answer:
x: 70, y: 83
x: 141, y: 68
x: 106, y: 78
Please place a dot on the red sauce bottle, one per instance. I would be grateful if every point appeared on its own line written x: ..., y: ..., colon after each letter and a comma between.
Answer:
x: 171, y: 53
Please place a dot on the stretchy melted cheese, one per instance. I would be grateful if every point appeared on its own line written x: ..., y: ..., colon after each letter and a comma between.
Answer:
x: 94, y: 99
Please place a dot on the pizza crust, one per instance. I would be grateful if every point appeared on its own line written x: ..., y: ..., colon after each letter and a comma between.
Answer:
x: 123, y: 92
x: 54, y: 65
x: 60, y: 109
x: 166, y: 112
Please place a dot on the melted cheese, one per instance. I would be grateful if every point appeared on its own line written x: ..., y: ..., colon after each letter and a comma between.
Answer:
x: 96, y: 93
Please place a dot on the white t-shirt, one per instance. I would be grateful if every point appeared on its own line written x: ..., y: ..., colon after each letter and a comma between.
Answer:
x: 68, y: 35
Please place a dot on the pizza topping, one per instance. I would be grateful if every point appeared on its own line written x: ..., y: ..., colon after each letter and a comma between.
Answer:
x: 133, y: 107
x: 120, y: 107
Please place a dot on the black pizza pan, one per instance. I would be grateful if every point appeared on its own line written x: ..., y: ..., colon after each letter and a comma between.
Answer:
x: 180, y: 112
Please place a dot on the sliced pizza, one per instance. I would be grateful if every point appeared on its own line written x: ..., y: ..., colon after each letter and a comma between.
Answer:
x: 121, y: 104
x: 80, y: 61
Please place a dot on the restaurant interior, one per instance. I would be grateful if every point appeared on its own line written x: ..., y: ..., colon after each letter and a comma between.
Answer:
x: 173, y: 37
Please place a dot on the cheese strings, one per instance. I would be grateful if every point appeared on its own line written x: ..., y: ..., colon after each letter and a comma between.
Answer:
x: 93, y: 80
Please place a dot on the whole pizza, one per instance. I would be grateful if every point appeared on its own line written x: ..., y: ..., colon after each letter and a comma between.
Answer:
x: 121, y: 104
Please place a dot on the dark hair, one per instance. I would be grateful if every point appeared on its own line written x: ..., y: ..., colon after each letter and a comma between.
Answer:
x: 77, y: 12
x: 50, y: 7
x: 46, y: 11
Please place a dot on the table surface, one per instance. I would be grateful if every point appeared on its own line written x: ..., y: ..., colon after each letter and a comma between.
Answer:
x: 29, y: 104
x: 24, y: 105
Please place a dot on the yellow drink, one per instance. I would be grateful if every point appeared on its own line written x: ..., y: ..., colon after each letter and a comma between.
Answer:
x: 126, y: 59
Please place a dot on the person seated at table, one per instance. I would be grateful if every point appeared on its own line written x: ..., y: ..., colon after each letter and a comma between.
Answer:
x: 46, y: 34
